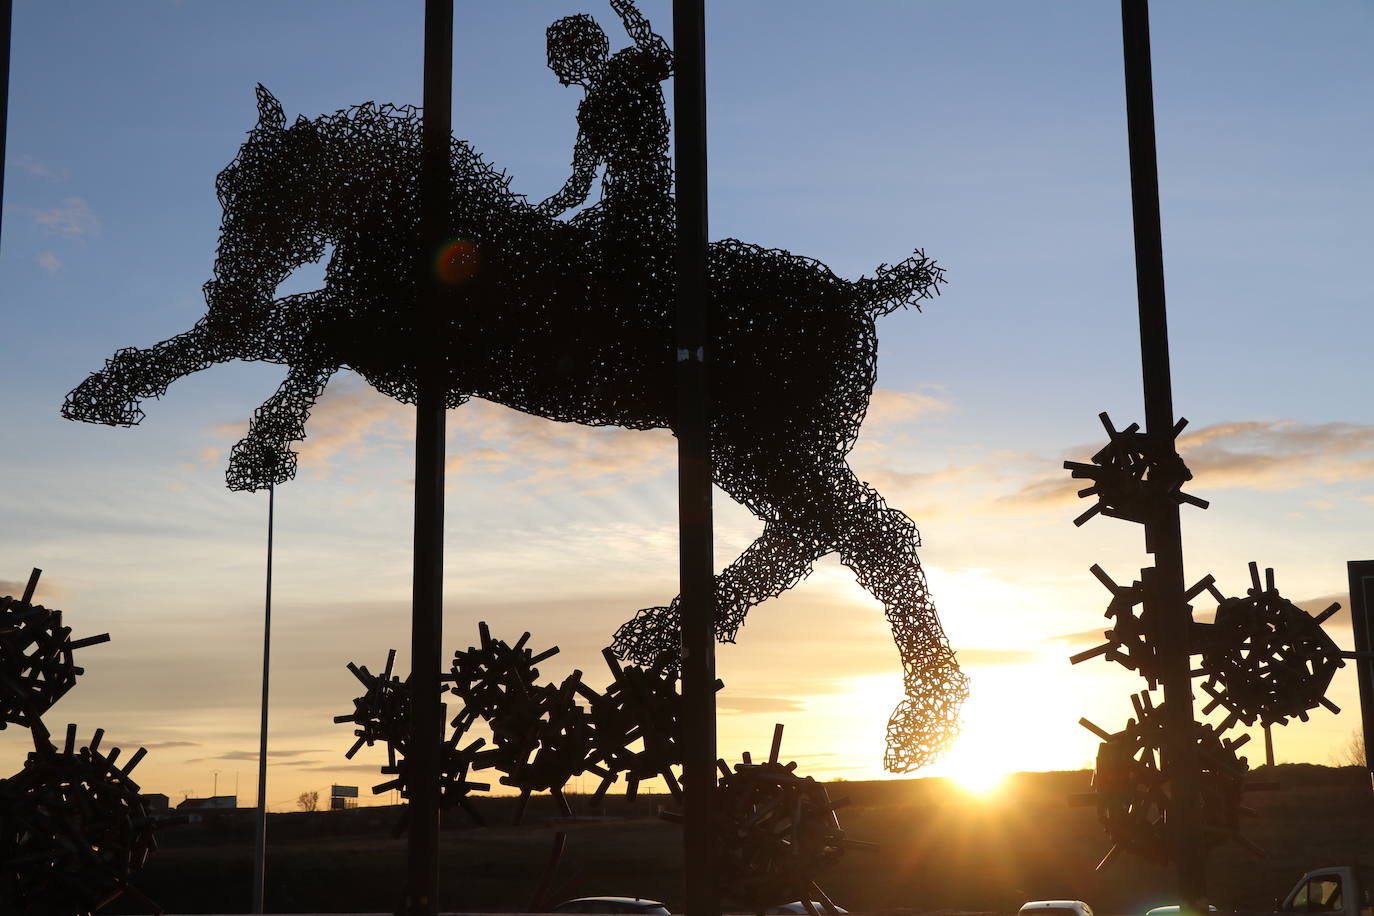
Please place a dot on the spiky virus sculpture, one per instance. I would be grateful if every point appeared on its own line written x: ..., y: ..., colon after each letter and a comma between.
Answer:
x: 73, y: 828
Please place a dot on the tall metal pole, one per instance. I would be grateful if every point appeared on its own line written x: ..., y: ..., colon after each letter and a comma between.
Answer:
x: 1162, y: 533
x: 427, y: 612
x: 6, y: 15
x: 1361, y: 578
x: 696, y: 560
x: 260, y: 840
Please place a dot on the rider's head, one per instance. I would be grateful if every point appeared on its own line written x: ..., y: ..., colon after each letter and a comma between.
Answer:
x: 577, y: 48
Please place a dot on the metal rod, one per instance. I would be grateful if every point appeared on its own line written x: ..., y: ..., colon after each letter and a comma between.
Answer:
x: 696, y: 560
x: 6, y: 18
x: 427, y: 608
x: 1268, y: 744
x: 260, y: 837
x: 1361, y: 578
x: 1163, y: 536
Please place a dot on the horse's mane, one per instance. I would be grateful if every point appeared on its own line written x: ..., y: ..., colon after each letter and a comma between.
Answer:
x: 404, y: 122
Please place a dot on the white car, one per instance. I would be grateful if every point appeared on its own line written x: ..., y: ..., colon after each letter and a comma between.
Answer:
x: 797, y: 908
x: 1056, y: 908
x: 637, y: 905
x: 1172, y: 910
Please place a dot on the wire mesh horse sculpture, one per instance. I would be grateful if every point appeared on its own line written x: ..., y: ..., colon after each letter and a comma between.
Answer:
x: 550, y: 318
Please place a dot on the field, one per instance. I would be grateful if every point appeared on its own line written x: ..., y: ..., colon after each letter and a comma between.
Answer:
x: 941, y: 850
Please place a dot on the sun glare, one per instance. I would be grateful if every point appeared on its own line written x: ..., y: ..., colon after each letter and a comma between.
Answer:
x: 982, y: 779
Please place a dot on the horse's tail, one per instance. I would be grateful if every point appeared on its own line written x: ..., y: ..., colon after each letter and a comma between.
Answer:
x: 899, y: 285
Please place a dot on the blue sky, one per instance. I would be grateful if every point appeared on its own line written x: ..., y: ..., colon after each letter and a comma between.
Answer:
x: 991, y: 134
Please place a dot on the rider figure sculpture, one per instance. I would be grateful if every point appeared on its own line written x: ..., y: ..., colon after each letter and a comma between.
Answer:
x: 621, y: 124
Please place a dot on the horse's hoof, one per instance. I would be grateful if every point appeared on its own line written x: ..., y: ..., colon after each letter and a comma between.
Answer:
x: 99, y: 400
x: 648, y: 637
x: 255, y: 465
x: 922, y: 729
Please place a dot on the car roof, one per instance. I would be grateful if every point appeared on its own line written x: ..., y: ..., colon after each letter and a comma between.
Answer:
x: 1046, y: 904
x: 642, y: 901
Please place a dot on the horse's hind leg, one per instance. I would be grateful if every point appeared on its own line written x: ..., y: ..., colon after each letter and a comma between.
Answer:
x: 777, y: 560
x: 879, y: 544
x: 264, y: 456
x: 112, y: 395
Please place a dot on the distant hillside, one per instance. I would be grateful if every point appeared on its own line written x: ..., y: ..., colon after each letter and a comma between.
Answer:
x: 941, y: 849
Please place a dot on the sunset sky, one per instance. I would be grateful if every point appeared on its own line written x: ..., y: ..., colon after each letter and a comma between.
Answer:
x: 991, y: 133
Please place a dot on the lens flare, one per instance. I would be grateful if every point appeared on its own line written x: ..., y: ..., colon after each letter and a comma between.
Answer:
x: 458, y: 262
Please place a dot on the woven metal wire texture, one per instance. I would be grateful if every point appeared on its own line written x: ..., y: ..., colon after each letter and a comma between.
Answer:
x: 567, y: 317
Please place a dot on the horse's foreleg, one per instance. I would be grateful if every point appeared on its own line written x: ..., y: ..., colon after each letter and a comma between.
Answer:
x: 879, y: 544
x: 264, y: 456
x: 776, y: 561
x: 112, y: 395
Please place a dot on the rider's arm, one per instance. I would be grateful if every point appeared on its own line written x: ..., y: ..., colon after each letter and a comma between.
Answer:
x: 643, y: 34
x: 575, y: 190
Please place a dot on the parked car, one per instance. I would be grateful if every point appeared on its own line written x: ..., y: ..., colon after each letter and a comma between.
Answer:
x: 1055, y: 908
x: 797, y: 908
x: 612, y: 905
x: 1172, y: 910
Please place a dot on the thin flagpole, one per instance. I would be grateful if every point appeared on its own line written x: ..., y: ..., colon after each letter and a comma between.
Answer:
x: 260, y: 842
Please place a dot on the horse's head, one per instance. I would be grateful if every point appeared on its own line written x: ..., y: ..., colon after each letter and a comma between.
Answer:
x: 272, y: 197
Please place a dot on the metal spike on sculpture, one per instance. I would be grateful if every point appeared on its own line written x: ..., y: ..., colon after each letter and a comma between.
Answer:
x: 75, y: 827
x: 568, y: 319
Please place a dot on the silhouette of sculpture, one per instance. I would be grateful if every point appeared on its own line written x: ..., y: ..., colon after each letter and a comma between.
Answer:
x: 569, y: 321
x: 73, y: 827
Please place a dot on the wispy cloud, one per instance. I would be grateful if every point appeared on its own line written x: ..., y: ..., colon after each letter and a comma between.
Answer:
x: 48, y: 261
x: 1265, y: 455
x: 253, y: 755
x: 988, y: 658
x: 1080, y: 637
x: 373, y: 768
x: 889, y: 406
x: 733, y: 704
x: 39, y: 169
x: 47, y: 590
x: 1278, y: 454
x: 150, y: 745
x: 349, y: 422
x: 74, y: 219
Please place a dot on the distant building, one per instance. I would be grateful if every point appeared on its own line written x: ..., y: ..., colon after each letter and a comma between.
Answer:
x: 343, y: 797
x: 155, y: 802
x: 197, y: 809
